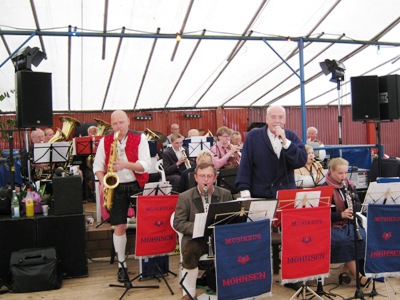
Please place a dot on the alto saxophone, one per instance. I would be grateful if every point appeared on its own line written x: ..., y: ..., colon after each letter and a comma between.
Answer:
x: 111, y: 179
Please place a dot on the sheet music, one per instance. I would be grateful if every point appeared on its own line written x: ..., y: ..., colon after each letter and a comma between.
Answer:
x: 157, y: 188
x: 260, y: 210
x: 199, y: 225
x: 382, y: 193
x: 198, y: 144
x: 307, y: 199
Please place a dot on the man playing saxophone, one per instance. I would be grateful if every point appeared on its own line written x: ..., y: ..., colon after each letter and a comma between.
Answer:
x: 131, y: 162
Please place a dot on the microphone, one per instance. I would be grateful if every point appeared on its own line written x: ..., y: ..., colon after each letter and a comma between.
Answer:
x: 279, y: 127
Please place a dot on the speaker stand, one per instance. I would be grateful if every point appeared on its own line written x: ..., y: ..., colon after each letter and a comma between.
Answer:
x: 128, y: 283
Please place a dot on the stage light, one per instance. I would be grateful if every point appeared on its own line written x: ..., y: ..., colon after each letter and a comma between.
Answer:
x: 26, y: 57
x: 144, y: 118
x: 334, y: 67
x: 192, y: 115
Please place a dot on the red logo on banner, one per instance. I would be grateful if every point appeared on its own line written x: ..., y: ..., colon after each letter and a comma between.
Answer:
x: 243, y: 259
x: 386, y: 235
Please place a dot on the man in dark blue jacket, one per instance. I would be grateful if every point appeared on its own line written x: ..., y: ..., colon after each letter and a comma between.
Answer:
x: 269, y: 156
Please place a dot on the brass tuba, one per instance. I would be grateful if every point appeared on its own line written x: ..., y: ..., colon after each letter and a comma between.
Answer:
x: 102, y: 127
x: 63, y: 134
x: 111, y: 179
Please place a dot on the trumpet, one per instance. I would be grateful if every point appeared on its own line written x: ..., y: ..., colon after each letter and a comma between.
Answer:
x: 187, y: 162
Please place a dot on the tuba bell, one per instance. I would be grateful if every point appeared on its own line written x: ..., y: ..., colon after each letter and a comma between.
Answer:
x: 63, y: 134
x: 102, y: 127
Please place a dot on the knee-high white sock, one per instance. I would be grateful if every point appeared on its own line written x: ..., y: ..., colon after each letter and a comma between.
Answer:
x: 120, y: 246
x: 190, y: 281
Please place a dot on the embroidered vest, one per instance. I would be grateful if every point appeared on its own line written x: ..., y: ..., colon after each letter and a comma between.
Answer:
x: 132, y: 153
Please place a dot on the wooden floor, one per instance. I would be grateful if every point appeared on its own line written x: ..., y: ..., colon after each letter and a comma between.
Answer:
x: 102, y: 273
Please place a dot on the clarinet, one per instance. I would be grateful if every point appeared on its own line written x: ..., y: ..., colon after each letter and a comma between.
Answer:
x: 349, y: 200
x: 210, y: 249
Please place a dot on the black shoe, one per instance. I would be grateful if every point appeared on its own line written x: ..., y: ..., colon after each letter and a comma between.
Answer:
x: 294, y: 286
x: 122, y: 277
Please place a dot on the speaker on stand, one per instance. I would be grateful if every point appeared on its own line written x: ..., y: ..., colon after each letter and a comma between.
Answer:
x: 34, y: 105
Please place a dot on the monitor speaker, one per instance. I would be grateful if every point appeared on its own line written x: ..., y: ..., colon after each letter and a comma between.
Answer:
x: 34, y: 105
x: 365, y: 98
x: 389, y: 91
x: 68, y: 235
x: 67, y: 193
x: 15, y: 234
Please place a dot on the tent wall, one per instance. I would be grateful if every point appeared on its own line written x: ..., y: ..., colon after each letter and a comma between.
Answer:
x: 324, y: 118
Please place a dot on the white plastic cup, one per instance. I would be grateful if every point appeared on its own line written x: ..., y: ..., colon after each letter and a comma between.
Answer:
x: 45, y: 209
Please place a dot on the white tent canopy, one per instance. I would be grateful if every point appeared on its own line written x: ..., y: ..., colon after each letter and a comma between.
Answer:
x: 124, y: 54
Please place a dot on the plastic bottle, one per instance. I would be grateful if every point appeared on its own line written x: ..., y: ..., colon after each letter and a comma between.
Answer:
x: 29, y: 208
x: 15, y: 205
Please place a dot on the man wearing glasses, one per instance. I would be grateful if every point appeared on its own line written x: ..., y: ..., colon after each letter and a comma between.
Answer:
x: 193, y: 201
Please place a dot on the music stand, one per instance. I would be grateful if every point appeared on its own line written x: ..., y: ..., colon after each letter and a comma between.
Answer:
x: 196, y: 144
x: 157, y: 188
x: 385, y: 193
x: 154, y: 234
x: 51, y: 153
x: 128, y: 282
x: 309, y: 198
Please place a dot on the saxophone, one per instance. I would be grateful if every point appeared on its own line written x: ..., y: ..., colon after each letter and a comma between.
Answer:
x: 111, y: 179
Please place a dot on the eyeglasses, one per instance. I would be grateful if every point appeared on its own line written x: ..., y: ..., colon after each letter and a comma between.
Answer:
x: 204, y: 176
x: 226, y: 136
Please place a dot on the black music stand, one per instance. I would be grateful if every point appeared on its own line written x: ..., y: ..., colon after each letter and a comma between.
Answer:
x: 51, y: 153
x: 157, y: 274
x: 198, y: 144
x: 157, y: 188
x: 128, y: 282
x: 387, y: 193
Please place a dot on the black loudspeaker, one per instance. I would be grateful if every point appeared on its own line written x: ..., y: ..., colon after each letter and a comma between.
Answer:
x: 389, y: 91
x: 34, y: 105
x: 68, y: 235
x: 67, y: 193
x: 15, y: 234
x: 365, y: 98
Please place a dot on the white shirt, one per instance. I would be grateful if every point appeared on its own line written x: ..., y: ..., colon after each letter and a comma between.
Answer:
x: 125, y: 175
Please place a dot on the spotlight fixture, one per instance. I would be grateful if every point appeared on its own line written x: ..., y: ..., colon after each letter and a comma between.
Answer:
x: 143, y: 118
x: 336, y: 68
x: 198, y: 116
x: 26, y: 57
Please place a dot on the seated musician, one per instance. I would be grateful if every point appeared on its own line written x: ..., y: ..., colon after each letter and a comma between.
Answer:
x: 203, y: 156
x: 189, y: 203
x: 175, y: 161
x: 311, y: 174
x: 342, y: 226
x: 38, y: 171
x: 225, y: 154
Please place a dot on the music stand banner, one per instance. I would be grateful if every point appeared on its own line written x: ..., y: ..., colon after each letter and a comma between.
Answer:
x: 154, y: 234
x: 306, y: 240
x: 243, y: 259
x: 382, y: 256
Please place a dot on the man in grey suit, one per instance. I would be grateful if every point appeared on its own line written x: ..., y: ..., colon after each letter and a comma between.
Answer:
x: 191, y: 202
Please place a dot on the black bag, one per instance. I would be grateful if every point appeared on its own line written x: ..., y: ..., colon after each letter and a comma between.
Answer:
x: 5, y: 201
x: 35, y: 270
